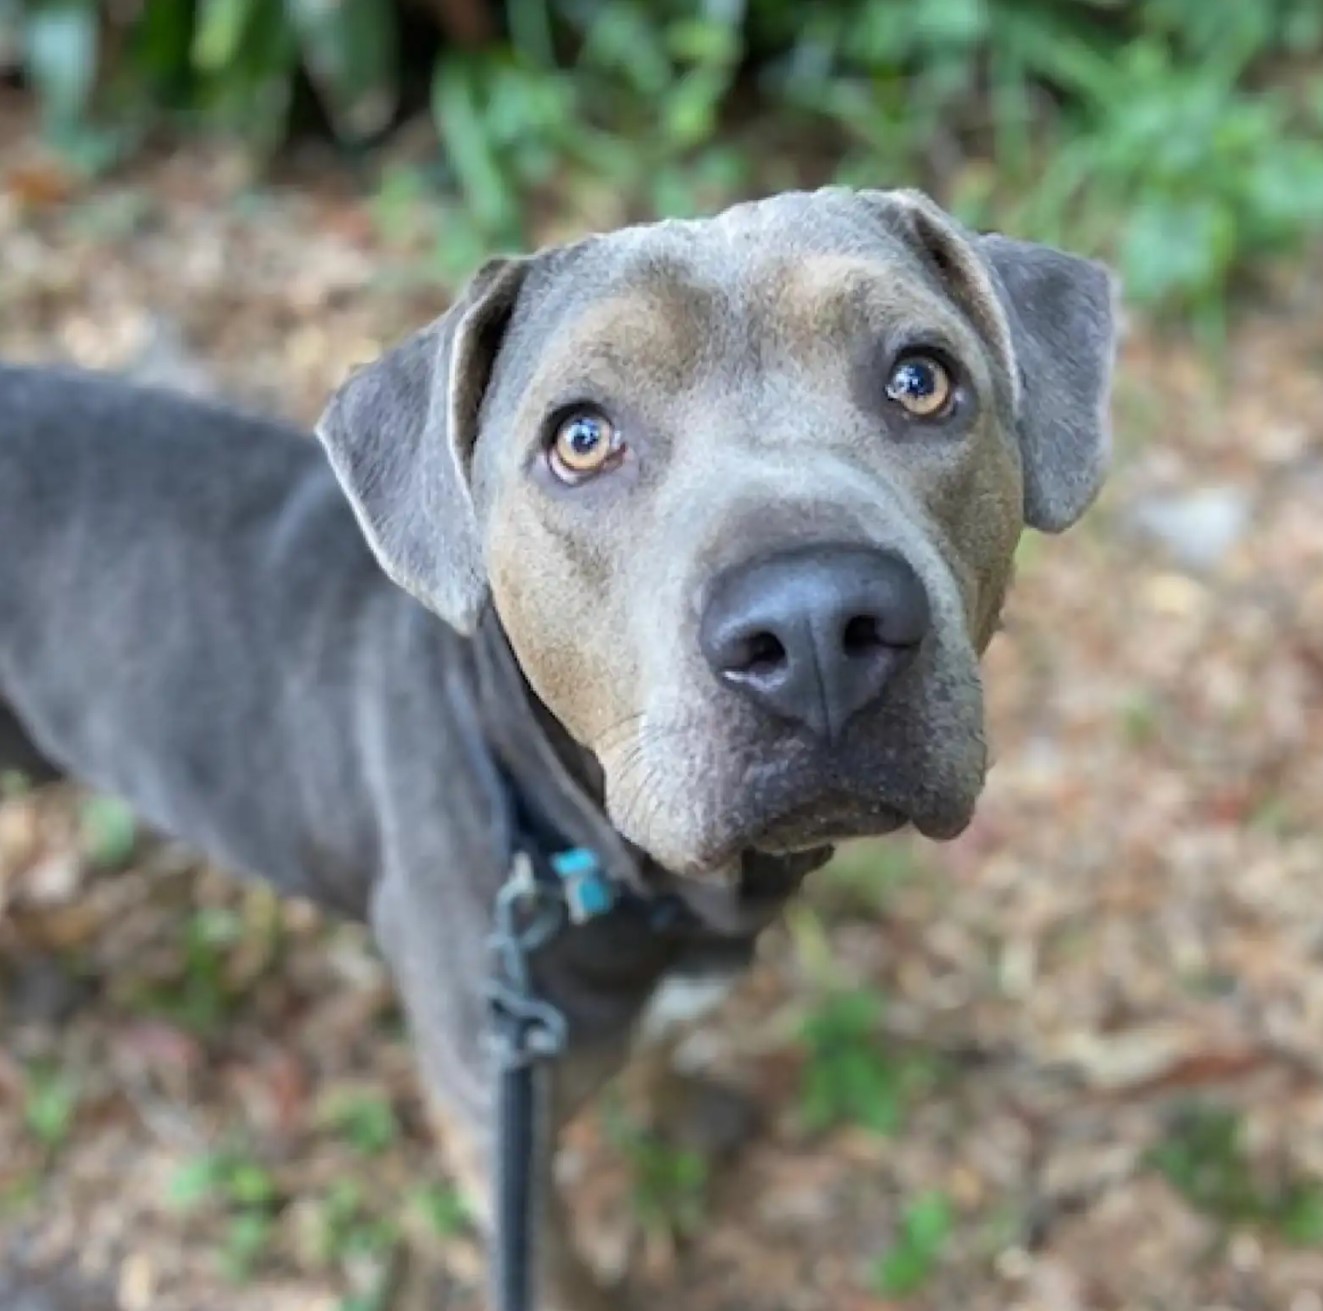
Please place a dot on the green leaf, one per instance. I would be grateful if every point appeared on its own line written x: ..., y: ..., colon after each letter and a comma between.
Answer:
x: 928, y: 1222
x: 530, y: 31
x: 198, y: 1181
x: 107, y: 831
x: 50, y: 1105
x: 443, y: 1208
x: 158, y: 65
x: 705, y: 41
x: 1300, y: 1215
x: 250, y: 94
x: 901, y: 1271
x: 60, y: 48
x: 925, y: 1231
x: 218, y: 31
x: 457, y: 110
x: 367, y: 1123
x: 246, y: 1240
x: 250, y: 1185
x: 351, y: 48
x: 689, y: 110
x: 623, y: 39
x: 1177, y: 249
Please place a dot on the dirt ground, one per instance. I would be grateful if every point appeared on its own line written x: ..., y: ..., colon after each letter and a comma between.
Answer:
x: 1102, y: 1005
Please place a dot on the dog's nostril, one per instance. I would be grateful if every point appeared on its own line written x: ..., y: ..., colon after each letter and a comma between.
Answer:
x: 861, y: 636
x: 763, y: 653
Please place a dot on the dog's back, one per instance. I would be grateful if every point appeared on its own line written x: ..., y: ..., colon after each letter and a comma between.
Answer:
x: 183, y: 599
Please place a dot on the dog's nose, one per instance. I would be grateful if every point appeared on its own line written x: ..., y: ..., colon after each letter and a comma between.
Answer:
x: 815, y: 635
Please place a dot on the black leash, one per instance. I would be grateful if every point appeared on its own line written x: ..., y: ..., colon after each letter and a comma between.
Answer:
x: 545, y: 892
x: 566, y: 866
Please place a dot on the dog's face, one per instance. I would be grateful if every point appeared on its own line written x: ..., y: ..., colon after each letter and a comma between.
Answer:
x: 745, y: 493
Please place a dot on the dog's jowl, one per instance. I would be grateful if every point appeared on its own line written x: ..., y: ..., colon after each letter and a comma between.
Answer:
x: 690, y: 535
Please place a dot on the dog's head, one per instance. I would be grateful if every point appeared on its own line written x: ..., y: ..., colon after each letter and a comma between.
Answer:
x: 745, y: 494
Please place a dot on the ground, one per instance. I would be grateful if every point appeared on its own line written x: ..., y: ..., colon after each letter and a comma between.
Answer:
x: 1069, y: 1060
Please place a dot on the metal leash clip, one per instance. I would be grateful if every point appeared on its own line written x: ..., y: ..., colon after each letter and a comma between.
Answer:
x: 529, y: 912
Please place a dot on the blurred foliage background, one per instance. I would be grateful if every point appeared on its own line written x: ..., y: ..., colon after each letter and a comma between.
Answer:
x: 1181, y: 138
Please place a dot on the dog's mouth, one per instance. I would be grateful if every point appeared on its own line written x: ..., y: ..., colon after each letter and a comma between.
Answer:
x: 718, y: 801
x: 749, y: 892
x: 787, y: 837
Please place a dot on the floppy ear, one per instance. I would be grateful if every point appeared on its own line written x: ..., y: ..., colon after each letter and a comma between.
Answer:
x: 400, y: 436
x: 1062, y: 316
x: 1051, y: 318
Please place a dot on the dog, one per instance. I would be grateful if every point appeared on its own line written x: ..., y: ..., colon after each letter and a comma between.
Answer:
x: 695, y: 531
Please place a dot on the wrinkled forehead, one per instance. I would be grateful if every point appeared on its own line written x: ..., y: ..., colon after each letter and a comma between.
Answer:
x: 795, y: 281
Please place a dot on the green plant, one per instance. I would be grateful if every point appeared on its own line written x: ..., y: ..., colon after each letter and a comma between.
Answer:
x: 229, y: 1178
x: 923, y: 1237
x: 849, y: 1076
x: 367, y: 1123
x: 50, y: 1103
x: 348, y: 1228
x: 246, y: 1195
x: 1203, y: 1156
x: 1180, y: 137
x: 1184, y: 174
x: 107, y: 831
x: 247, y: 1238
x: 443, y: 1209
x: 231, y: 63
x: 201, y: 996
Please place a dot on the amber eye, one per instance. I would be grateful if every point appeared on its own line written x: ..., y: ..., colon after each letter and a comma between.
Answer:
x: 585, y: 443
x: 921, y: 386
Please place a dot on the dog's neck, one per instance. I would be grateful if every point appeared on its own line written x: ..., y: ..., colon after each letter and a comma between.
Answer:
x: 551, y: 773
x: 601, y: 973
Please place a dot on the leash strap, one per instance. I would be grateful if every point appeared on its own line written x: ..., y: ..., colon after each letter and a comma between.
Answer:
x: 514, y: 1260
x: 540, y: 897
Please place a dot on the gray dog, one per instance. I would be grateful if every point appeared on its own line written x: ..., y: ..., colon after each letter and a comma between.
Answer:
x: 710, y: 523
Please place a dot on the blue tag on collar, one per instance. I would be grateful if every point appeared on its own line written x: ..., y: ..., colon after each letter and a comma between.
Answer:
x: 588, y: 892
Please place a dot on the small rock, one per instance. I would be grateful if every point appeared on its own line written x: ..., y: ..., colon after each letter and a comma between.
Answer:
x: 1197, y: 529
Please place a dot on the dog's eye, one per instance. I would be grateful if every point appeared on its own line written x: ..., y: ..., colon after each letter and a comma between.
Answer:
x: 585, y: 443
x: 921, y: 386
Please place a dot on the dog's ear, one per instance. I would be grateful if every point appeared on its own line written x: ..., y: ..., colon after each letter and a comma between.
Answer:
x: 400, y: 435
x: 1052, y: 317
x: 1062, y: 315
